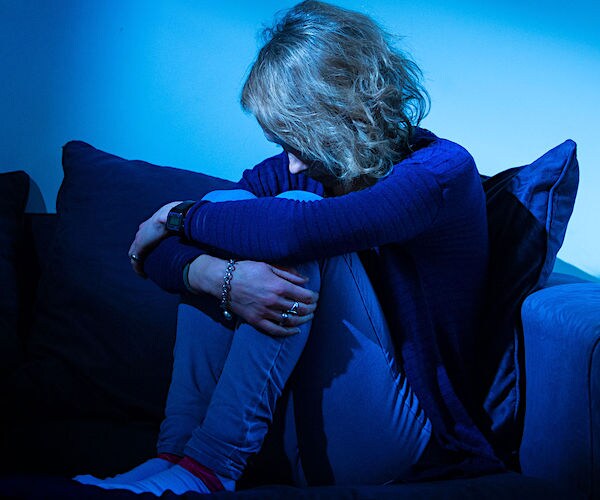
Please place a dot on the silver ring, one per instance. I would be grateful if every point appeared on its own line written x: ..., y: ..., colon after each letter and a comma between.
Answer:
x: 284, y: 317
x: 135, y: 258
x: 294, y: 309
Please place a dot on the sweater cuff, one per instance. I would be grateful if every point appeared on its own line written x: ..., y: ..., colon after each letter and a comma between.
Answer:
x: 191, y: 214
x: 165, y: 264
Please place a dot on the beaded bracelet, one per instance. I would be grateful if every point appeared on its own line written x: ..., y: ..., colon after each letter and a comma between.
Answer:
x: 226, y: 288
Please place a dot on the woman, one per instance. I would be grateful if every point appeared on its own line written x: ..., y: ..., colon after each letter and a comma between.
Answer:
x: 352, y: 265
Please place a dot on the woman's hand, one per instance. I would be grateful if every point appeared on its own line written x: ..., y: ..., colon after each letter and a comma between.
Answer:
x: 149, y: 234
x: 260, y: 293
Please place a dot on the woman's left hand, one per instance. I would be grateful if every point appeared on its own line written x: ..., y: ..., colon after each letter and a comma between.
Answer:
x: 149, y: 234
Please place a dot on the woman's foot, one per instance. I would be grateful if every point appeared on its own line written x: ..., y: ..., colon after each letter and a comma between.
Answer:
x: 176, y: 479
x: 147, y: 469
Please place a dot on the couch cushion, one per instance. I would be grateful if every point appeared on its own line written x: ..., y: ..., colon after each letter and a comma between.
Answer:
x: 101, y: 343
x: 561, y: 438
x: 493, y: 487
x: 528, y: 211
x: 14, y: 188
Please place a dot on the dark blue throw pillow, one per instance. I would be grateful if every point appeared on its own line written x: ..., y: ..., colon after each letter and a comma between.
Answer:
x: 528, y: 210
x: 101, y: 343
x: 14, y: 188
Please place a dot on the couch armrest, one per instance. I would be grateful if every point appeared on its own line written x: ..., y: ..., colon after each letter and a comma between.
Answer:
x: 561, y: 437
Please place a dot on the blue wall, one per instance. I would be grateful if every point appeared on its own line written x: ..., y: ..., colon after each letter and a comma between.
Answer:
x: 160, y: 81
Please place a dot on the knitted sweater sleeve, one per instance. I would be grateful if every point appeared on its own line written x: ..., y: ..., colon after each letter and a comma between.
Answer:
x: 396, y: 209
x: 272, y: 177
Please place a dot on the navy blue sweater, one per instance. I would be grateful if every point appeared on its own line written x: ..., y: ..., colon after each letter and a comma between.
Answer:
x: 422, y: 234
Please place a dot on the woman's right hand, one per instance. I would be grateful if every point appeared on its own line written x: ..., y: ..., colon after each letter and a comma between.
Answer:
x: 260, y: 292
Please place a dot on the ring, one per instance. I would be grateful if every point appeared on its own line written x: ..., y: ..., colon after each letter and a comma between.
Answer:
x: 284, y: 318
x: 135, y: 258
x: 294, y: 309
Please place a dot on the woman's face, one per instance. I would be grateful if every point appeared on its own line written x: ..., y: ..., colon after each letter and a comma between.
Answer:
x: 295, y: 164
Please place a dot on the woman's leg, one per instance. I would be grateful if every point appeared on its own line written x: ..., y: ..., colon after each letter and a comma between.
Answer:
x: 357, y: 420
x: 201, y: 347
x: 243, y: 403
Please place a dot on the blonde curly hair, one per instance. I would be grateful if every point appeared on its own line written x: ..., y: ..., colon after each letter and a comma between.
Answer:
x: 329, y: 83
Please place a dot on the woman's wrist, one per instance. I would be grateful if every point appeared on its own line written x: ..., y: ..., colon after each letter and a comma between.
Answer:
x: 186, y: 279
x: 163, y: 212
x: 205, y: 275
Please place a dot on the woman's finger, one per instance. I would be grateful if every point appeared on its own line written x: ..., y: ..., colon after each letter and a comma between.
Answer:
x: 289, y: 274
x: 137, y: 264
x: 283, y: 318
x: 149, y: 234
x: 302, y: 309
x: 276, y: 330
x: 136, y: 259
x: 301, y: 294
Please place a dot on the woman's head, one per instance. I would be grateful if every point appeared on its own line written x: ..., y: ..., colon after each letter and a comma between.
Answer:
x: 329, y: 84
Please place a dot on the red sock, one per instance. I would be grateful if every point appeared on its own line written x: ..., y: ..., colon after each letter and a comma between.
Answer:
x: 170, y: 457
x: 207, y: 476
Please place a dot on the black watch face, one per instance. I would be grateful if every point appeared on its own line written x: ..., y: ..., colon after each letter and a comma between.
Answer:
x: 174, y: 221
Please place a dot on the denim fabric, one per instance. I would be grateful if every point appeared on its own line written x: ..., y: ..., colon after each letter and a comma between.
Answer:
x: 350, y: 416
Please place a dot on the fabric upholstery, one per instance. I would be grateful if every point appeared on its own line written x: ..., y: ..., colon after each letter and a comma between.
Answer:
x: 561, y: 437
x: 101, y: 343
x: 528, y: 211
x: 14, y: 188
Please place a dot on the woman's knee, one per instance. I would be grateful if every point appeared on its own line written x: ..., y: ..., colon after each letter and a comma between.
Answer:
x: 228, y: 195
x: 241, y: 194
x: 300, y: 196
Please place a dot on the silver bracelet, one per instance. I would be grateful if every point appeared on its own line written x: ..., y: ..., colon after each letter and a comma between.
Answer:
x: 226, y: 289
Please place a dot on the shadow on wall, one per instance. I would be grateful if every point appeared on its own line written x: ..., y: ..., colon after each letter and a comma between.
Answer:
x: 564, y: 267
x: 35, y: 202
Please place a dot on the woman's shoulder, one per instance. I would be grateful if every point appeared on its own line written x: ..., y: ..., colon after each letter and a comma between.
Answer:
x: 446, y: 161
x: 437, y: 153
x: 447, y: 165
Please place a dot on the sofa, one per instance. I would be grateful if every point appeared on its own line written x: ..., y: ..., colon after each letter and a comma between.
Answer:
x: 87, y: 345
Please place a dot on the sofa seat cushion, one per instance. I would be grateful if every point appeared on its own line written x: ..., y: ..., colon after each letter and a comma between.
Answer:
x: 561, y: 438
x: 493, y: 487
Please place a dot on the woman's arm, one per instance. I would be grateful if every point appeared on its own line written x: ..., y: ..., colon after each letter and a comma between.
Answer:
x: 259, y: 292
x: 396, y: 209
x: 165, y: 263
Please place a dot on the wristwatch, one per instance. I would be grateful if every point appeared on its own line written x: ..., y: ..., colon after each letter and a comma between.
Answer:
x: 176, y: 217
